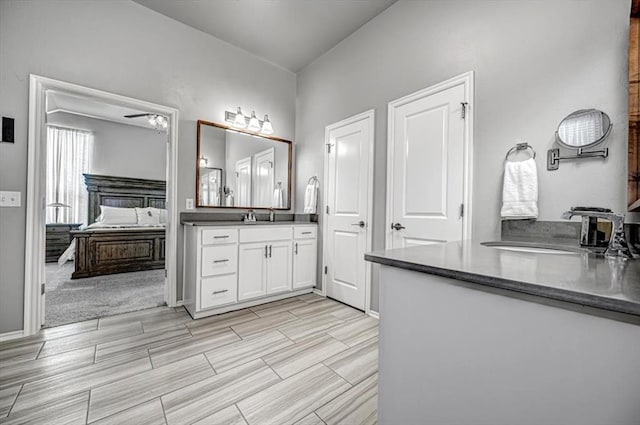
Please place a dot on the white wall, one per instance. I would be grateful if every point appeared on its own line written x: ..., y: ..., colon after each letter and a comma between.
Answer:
x: 124, y: 48
x: 120, y: 150
x: 534, y: 62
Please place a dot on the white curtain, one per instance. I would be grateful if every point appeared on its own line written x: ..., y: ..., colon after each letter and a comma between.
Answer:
x: 69, y: 154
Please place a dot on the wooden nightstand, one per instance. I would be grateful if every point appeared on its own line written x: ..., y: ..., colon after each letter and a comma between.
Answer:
x: 58, y: 239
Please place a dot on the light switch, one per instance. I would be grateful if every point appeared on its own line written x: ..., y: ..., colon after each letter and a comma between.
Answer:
x: 189, y: 203
x: 9, y: 199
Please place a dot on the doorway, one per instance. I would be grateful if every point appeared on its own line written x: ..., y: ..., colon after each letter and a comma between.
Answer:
x: 429, y: 165
x: 36, y: 214
x: 349, y: 196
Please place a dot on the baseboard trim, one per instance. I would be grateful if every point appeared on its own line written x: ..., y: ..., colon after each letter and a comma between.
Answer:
x: 374, y: 314
x: 318, y: 292
x: 7, y: 336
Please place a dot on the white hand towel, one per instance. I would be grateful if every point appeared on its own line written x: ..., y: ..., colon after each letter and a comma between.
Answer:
x: 278, y: 197
x: 520, y: 190
x: 310, y: 198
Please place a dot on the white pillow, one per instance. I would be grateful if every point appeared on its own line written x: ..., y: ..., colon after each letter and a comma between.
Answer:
x: 163, y: 216
x: 115, y: 215
x: 148, y: 216
x: 162, y: 213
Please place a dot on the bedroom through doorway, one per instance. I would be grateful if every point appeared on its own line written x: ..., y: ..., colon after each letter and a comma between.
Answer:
x: 106, y: 216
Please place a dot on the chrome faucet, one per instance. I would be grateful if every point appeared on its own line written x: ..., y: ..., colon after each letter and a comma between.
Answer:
x: 618, y: 246
x: 250, y: 216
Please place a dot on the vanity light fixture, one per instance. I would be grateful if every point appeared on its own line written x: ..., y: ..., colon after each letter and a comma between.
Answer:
x: 253, y: 124
x: 267, y: 128
x: 239, y: 121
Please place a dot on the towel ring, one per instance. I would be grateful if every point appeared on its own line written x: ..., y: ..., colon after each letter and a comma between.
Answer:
x: 520, y: 147
x: 314, y: 180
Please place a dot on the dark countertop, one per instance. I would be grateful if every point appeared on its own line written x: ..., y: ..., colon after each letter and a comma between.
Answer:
x: 581, y: 278
x: 242, y: 223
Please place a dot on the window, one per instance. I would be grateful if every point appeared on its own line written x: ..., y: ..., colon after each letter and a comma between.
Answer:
x: 69, y: 153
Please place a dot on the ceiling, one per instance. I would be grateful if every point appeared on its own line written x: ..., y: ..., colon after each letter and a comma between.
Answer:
x: 288, y: 33
x: 87, y: 107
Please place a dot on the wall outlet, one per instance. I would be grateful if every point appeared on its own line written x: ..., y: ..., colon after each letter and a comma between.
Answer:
x: 189, y: 203
x: 9, y: 199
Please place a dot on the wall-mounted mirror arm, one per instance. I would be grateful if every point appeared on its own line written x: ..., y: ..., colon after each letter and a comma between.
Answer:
x: 580, y: 130
x: 554, y: 158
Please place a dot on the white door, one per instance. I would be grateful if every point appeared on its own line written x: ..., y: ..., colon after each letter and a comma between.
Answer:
x: 279, y: 267
x: 263, y: 178
x: 305, y: 256
x: 428, y: 136
x: 243, y: 182
x: 252, y: 270
x: 348, y: 183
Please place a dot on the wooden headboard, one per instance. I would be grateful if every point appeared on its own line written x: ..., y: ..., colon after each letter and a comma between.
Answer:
x: 123, y: 192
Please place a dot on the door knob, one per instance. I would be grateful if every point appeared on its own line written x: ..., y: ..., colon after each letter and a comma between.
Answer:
x: 397, y: 226
x: 360, y: 224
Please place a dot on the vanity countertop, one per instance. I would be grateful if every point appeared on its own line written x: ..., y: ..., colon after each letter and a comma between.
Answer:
x: 584, y: 279
x: 243, y: 224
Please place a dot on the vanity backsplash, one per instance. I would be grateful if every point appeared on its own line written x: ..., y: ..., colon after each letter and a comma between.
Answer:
x: 559, y: 231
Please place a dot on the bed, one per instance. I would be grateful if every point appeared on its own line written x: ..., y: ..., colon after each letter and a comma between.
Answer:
x: 103, y: 251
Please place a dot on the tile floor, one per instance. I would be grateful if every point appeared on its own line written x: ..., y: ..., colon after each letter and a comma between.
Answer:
x: 304, y: 360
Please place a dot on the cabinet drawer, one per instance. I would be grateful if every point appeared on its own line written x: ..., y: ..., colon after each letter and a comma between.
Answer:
x: 275, y: 233
x: 219, y: 236
x: 218, y: 290
x: 305, y: 232
x: 219, y: 260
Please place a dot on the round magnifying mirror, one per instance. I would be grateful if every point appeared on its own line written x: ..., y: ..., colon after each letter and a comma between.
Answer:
x: 583, y: 129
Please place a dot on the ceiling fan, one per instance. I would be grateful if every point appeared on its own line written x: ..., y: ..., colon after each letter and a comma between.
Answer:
x: 156, y: 120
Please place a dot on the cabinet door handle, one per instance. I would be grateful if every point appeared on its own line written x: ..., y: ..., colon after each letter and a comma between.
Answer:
x: 296, y: 248
x: 220, y: 261
x: 221, y: 237
x: 222, y: 291
x: 270, y: 246
x: 306, y: 233
x: 266, y: 251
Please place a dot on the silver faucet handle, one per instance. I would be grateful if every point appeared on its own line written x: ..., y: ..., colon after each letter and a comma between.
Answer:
x: 618, y: 246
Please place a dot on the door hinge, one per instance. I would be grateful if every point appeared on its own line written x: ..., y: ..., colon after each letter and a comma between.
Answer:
x: 463, y: 113
x: 326, y: 269
x: 165, y: 272
x: 42, y: 289
x: 329, y: 147
x: 461, y: 210
x: 327, y: 209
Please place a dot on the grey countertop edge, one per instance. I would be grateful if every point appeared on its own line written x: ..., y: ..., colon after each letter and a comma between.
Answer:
x: 583, y: 299
x: 248, y: 226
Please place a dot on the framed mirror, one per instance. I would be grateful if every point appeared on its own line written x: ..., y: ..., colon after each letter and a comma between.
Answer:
x: 583, y: 129
x: 240, y: 169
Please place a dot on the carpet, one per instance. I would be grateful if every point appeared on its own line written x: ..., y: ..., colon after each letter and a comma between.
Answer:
x: 70, y: 301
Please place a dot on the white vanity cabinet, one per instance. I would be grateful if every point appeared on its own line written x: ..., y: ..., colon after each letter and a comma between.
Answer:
x: 232, y: 267
x: 305, y: 248
x: 264, y: 268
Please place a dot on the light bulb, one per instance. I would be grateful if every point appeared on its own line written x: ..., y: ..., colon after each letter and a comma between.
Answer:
x: 254, y: 124
x: 240, y: 121
x: 267, y: 128
x: 162, y: 122
x: 153, y: 119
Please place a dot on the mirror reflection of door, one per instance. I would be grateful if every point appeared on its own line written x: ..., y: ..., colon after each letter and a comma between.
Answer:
x: 211, y: 186
x: 243, y: 182
x: 263, y: 178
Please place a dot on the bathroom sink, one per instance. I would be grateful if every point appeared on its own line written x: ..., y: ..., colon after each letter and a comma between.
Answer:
x: 535, y: 248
